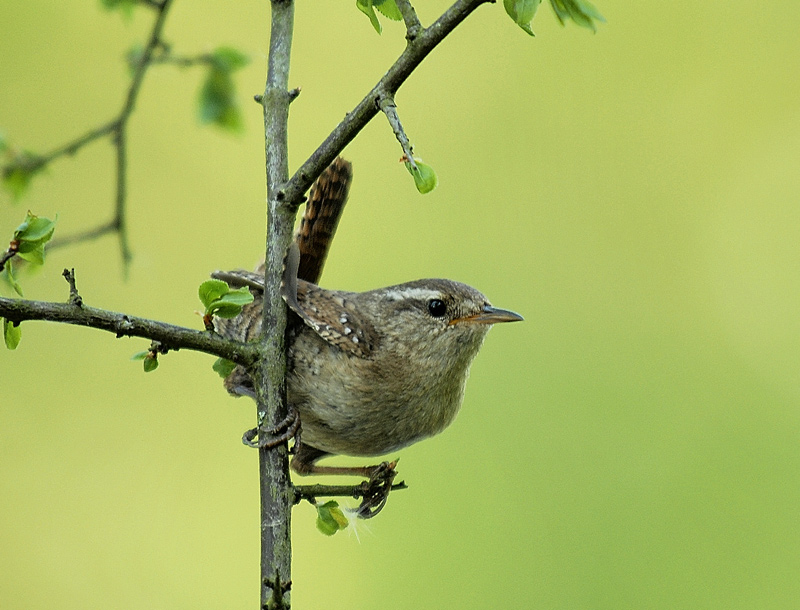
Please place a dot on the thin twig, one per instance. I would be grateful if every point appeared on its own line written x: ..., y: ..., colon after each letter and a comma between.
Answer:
x: 183, y: 61
x: 7, y: 256
x: 74, y: 298
x: 311, y: 492
x: 123, y: 325
x: 387, y: 105
x: 89, y: 234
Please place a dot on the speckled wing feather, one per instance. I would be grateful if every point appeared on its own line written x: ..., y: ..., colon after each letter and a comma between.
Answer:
x: 332, y: 314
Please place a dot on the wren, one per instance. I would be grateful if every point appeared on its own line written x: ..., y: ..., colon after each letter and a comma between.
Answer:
x: 368, y: 372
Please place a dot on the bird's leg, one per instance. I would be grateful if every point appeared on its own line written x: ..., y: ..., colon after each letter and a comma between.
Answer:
x: 285, y: 430
x: 374, y: 490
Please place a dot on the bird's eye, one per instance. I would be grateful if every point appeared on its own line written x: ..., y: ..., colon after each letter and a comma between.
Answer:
x: 437, y: 308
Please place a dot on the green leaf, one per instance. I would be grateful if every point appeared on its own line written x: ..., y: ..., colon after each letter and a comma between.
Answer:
x: 221, y: 309
x: 34, y: 231
x: 212, y: 290
x: 34, y: 253
x: 8, y: 276
x: 388, y: 8
x: 12, y: 334
x: 217, y: 104
x: 140, y: 355
x: 223, y: 367
x: 229, y: 59
x: 149, y: 363
x: 16, y: 181
x: 221, y: 301
x: 581, y: 12
x: 522, y: 12
x: 124, y: 6
x: 425, y: 178
x: 241, y: 296
x: 330, y: 518
x: 365, y: 6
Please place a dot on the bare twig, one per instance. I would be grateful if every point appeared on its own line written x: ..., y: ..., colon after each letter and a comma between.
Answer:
x: 8, y: 255
x: 312, y: 492
x: 416, y: 50
x: 123, y: 325
x: 74, y: 298
x: 387, y: 105
x: 183, y: 61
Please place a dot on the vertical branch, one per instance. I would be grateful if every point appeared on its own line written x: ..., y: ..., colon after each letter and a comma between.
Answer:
x: 270, y: 373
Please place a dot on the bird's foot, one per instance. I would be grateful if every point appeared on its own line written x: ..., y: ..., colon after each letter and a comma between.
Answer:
x: 286, y: 430
x: 375, y: 491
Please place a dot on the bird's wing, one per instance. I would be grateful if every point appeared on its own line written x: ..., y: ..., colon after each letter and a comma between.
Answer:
x: 331, y: 314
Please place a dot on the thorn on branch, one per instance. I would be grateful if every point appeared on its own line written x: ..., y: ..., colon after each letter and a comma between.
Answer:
x: 279, y: 589
x: 74, y: 298
x: 293, y: 93
x: 413, y: 26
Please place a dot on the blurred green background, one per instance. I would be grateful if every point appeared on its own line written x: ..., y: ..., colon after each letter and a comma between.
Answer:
x: 635, y: 194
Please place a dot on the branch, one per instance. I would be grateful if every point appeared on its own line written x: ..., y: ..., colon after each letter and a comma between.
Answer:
x: 124, y: 325
x: 30, y: 164
x: 269, y: 372
x: 310, y: 492
x: 416, y: 50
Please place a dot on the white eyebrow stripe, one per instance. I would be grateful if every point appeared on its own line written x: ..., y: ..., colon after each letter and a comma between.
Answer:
x: 413, y: 293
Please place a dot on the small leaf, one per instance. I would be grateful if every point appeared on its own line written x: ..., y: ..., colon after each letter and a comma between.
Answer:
x: 223, y: 367
x: 241, y: 296
x: 581, y: 12
x: 34, y: 231
x: 212, y: 290
x: 330, y: 518
x: 16, y: 181
x: 230, y: 305
x: 218, y: 101
x: 33, y: 252
x: 8, y: 276
x: 222, y: 309
x: 365, y: 6
x: 140, y: 355
x: 522, y: 12
x: 123, y: 6
x: 388, y: 8
x: 12, y: 334
x: 229, y: 59
x: 150, y: 363
x: 425, y: 178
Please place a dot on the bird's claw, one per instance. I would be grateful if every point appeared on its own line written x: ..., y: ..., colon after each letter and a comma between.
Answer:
x: 286, y: 430
x: 375, y: 491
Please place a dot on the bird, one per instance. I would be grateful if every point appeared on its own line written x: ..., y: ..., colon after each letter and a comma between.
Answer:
x: 369, y: 373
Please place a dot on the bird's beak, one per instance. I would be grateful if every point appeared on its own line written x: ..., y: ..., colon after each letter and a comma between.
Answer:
x: 490, y: 315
